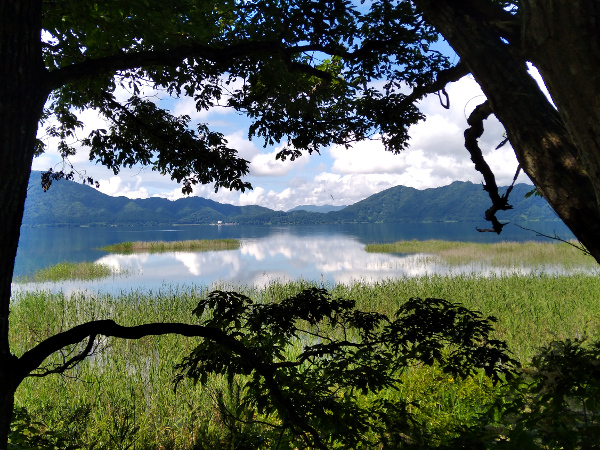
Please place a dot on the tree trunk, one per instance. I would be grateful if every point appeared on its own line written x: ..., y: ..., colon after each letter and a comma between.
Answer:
x: 542, y: 142
x: 22, y: 97
x: 562, y: 39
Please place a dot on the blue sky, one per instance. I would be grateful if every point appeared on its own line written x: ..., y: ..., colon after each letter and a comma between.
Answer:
x: 337, y: 176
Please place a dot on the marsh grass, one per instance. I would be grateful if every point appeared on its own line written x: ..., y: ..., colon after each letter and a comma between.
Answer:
x: 123, y: 394
x: 501, y: 254
x: 123, y: 397
x: 200, y: 245
x: 68, y: 271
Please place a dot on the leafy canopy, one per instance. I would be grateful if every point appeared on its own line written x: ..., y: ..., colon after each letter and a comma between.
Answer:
x: 308, y: 73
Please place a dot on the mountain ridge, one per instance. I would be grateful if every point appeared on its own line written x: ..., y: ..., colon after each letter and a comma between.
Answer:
x: 318, y: 209
x: 69, y: 203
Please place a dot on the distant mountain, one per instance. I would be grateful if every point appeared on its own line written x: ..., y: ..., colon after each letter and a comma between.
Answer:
x: 69, y: 203
x: 318, y: 209
x: 457, y: 202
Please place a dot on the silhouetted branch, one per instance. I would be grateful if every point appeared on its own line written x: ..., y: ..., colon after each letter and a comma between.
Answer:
x: 178, y: 55
x: 556, y: 238
x: 472, y: 134
x: 70, y: 363
x: 443, y: 78
x: 33, y: 358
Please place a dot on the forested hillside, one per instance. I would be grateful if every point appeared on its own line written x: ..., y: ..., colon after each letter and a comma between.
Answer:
x: 457, y: 202
x: 70, y: 203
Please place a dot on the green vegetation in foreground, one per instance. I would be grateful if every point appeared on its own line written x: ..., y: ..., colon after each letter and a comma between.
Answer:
x: 200, y: 245
x: 123, y: 396
x: 69, y: 271
x: 498, y: 254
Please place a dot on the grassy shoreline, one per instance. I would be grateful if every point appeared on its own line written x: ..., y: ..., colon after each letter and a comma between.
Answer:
x: 200, y: 245
x: 126, y: 388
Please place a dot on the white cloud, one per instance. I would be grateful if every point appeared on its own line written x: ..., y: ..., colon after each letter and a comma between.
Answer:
x: 187, y: 106
x: 366, y: 157
x: 174, y: 194
x: 116, y: 187
x: 438, y: 135
x: 266, y: 165
x: 238, y: 141
x: 270, y: 199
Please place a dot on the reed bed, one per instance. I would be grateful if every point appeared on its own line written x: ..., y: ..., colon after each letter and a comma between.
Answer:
x: 501, y: 254
x: 199, y: 245
x: 123, y: 397
x: 68, y: 271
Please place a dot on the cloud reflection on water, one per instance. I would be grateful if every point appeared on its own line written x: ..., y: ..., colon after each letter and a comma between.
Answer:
x: 284, y: 257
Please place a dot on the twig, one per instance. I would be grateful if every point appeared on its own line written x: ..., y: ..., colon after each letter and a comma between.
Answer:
x: 579, y: 247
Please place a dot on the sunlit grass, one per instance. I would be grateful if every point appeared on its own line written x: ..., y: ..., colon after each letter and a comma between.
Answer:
x: 68, y: 271
x: 200, y: 245
x: 497, y: 254
x: 126, y: 389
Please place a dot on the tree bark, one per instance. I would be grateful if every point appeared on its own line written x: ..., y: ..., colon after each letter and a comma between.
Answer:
x: 562, y: 39
x: 22, y: 97
x: 539, y: 135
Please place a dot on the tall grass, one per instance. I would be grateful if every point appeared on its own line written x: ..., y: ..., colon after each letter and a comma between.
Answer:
x: 124, y: 392
x: 497, y: 254
x: 200, y: 245
x: 123, y: 397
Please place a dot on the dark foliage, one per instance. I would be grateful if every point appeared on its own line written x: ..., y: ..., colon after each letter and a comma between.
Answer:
x: 316, y: 368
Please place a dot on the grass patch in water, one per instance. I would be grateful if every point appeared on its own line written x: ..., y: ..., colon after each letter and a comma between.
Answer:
x: 530, y: 253
x: 68, y: 271
x: 199, y: 245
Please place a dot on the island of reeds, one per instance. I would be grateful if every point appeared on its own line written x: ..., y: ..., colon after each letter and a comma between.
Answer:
x: 533, y: 253
x: 64, y: 271
x: 198, y: 245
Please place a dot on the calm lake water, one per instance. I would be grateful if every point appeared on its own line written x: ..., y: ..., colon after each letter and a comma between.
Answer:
x: 328, y: 253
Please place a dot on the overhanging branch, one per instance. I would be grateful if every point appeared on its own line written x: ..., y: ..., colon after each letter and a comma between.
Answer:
x: 472, y: 134
x: 33, y: 358
x: 578, y: 246
x: 176, y: 56
x: 72, y: 362
x: 443, y: 78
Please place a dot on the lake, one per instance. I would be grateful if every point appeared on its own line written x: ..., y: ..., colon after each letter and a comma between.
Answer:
x: 324, y: 253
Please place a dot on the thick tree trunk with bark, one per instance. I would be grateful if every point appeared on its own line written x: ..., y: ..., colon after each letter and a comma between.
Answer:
x: 22, y: 97
x: 562, y: 40
x: 541, y: 137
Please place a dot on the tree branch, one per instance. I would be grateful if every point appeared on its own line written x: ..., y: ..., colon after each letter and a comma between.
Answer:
x: 71, y: 362
x: 176, y: 56
x: 444, y: 77
x: 472, y: 134
x: 579, y: 247
x: 33, y: 358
